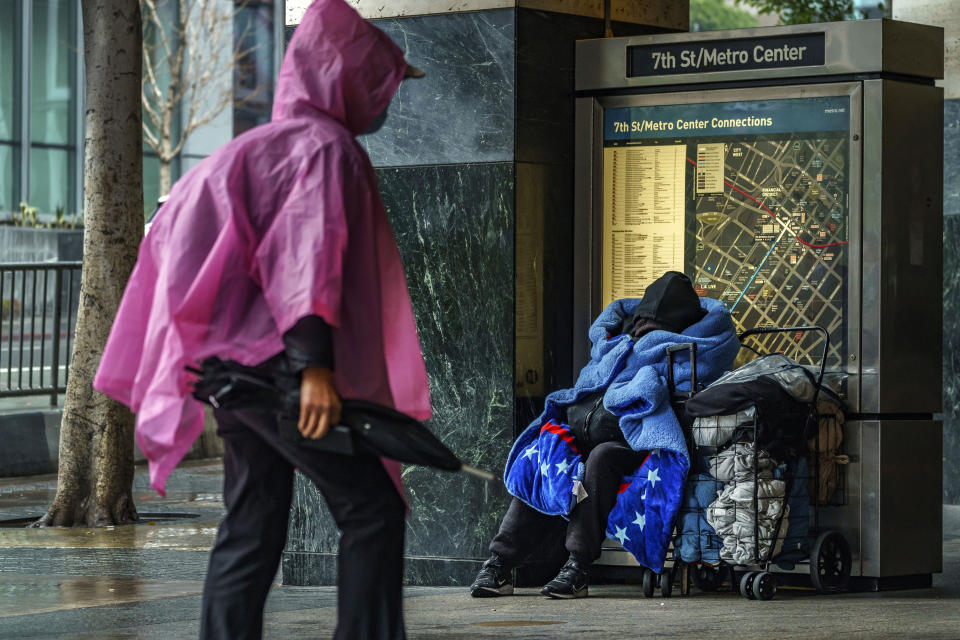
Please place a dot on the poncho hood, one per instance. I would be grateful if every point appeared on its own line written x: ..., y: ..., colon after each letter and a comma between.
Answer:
x: 340, y: 65
x: 282, y: 222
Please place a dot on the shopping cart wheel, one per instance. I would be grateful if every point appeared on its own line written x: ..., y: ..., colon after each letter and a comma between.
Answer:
x: 764, y: 585
x: 746, y: 585
x: 830, y: 563
x: 666, y: 583
x: 707, y: 578
x: 647, y: 584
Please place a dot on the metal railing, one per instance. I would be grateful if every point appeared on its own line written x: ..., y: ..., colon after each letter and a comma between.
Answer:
x: 39, y: 302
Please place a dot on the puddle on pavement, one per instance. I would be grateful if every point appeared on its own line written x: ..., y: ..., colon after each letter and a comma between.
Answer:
x: 188, y: 500
x: 154, y: 531
x: 516, y: 623
x: 28, y: 594
x: 150, y: 518
x: 20, y: 499
x: 27, y: 495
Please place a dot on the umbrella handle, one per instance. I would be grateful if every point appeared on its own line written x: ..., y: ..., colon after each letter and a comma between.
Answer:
x: 473, y: 471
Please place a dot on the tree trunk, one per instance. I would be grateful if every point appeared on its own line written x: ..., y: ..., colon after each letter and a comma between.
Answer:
x: 95, y: 479
x: 165, y: 182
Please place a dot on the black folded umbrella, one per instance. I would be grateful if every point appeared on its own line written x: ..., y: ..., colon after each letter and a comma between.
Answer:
x: 365, y: 426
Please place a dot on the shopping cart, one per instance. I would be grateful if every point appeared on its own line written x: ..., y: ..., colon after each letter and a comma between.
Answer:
x: 759, y: 557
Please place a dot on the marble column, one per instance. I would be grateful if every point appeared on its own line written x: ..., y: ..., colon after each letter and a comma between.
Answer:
x: 475, y: 165
x: 946, y: 14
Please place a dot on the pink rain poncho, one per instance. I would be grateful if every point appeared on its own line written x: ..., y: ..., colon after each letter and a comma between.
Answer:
x: 283, y: 222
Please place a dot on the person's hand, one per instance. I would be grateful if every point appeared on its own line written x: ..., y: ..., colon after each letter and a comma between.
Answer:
x: 319, y: 403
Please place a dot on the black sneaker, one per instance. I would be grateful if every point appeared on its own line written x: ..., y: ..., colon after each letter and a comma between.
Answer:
x: 493, y: 580
x: 571, y: 582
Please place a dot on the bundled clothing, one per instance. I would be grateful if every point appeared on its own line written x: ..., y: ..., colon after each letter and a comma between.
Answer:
x: 739, y: 404
x: 732, y: 514
x: 696, y: 540
x: 751, y: 384
x: 630, y: 377
x: 772, y: 394
x: 823, y: 452
x: 736, y: 462
x: 719, y: 431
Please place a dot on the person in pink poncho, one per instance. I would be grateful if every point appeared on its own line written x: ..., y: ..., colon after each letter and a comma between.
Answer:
x: 276, y: 251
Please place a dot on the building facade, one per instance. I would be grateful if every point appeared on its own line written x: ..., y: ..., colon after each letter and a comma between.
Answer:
x: 41, y: 99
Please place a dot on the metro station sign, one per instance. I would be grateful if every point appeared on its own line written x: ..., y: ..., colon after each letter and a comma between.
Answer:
x: 800, y: 50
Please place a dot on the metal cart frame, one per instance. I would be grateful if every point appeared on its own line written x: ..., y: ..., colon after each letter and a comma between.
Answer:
x: 829, y: 555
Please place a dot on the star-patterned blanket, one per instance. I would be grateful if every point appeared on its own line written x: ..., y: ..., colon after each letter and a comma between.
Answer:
x: 642, y: 519
x: 544, y: 474
x: 544, y: 465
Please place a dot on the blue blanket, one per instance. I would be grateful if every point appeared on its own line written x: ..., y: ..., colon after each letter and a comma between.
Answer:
x: 633, y: 373
x: 642, y: 518
x: 546, y: 472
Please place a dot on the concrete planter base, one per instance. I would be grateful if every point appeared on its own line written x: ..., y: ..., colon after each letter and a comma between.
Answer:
x: 33, y: 439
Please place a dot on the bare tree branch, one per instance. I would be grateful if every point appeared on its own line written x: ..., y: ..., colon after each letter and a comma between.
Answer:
x: 189, y: 64
x: 154, y: 17
x: 151, y: 75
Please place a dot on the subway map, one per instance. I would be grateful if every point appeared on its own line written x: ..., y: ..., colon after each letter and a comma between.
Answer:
x: 749, y: 198
x: 773, y: 243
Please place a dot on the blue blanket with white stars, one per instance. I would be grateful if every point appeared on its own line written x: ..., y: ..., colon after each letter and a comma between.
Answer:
x: 642, y: 519
x: 545, y: 466
x: 545, y: 473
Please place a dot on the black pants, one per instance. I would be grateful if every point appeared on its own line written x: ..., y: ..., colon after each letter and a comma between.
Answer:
x: 258, y: 486
x: 523, y: 527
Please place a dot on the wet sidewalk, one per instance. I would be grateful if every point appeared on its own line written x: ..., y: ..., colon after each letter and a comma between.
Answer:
x: 145, y: 580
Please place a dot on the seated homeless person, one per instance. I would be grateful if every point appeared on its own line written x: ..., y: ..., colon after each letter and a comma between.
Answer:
x: 609, y: 455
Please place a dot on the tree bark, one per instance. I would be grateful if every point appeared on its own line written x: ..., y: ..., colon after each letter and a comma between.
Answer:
x: 165, y: 176
x: 95, y: 480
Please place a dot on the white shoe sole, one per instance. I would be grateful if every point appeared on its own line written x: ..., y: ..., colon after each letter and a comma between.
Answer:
x: 567, y: 596
x: 487, y: 592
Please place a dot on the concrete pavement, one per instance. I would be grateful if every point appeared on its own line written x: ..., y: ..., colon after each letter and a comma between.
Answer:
x: 144, y: 581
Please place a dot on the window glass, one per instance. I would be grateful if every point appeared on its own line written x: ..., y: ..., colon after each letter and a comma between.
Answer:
x: 216, y: 47
x: 51, y: 77
x: 151, y: 183
x: 50, y: 180
x: 9, y: 51
x: 253, y: 76
x: 155, y: 62
x: 9, y: 171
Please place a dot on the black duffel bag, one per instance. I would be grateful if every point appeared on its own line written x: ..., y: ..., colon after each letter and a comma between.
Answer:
x: 591, y: 423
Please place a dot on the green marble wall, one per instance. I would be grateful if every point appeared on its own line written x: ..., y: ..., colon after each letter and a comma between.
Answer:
x: 455, y: 233
x: 951, y: 359
x: 472, y: 157
x: 444, y: 160
x: 951, y: 302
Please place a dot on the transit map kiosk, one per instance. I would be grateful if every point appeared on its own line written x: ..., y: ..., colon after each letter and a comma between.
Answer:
x: 796, y: 174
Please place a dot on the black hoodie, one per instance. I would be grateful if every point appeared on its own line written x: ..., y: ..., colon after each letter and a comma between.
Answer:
x: 669, y: 303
